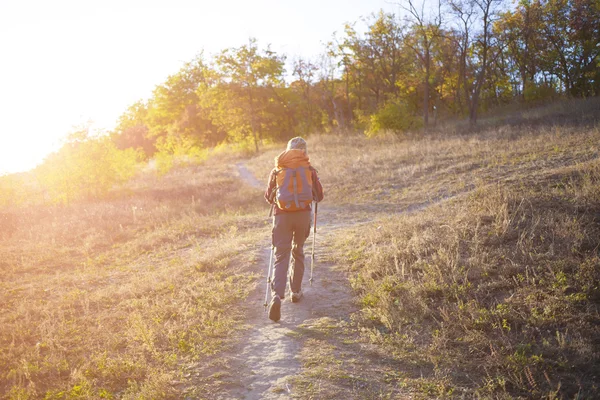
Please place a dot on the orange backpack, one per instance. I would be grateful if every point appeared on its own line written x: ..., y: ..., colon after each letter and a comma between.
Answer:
x: 294, y: 181
x: 294, y: 188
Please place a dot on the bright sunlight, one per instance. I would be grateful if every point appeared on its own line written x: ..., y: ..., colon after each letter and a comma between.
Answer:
x: 441, y: 162
x: 66, y: 62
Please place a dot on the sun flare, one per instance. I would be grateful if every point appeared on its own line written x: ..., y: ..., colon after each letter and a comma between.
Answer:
x: 67, y: 62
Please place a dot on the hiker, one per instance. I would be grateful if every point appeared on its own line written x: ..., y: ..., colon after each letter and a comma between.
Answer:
x: 293, y: 185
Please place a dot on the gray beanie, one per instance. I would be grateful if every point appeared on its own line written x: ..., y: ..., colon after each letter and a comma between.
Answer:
x: 297, y: 143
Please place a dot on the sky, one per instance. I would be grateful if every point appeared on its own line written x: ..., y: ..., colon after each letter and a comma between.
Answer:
x: 65, y: 63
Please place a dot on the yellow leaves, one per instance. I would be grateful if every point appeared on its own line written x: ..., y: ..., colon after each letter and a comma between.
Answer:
x: 174, y: 150
x: 394, y: 116
x: 10, y: 191
x: 408, y: 86
x: 86, y: 169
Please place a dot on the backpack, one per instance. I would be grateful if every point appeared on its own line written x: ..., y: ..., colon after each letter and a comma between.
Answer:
x: 294, y: 188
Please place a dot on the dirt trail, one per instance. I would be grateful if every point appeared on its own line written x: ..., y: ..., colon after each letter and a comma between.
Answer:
x: 247, y: 176
x: 267, y: 359
x: 268, y: 353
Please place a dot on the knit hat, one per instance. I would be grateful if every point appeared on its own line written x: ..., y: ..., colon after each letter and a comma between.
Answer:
x: 297, y: 143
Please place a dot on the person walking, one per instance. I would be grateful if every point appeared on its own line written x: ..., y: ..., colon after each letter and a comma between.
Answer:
x: 293, y: 185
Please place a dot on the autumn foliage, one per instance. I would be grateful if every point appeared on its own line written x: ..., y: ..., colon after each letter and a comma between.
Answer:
x: 440, y: 61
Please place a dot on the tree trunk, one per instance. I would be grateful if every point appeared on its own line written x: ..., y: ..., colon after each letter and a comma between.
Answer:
x: 348, y: 96
x: 473, y: 111
x: 252, y: 128
x: 426, y: 91
x: 309, y: 106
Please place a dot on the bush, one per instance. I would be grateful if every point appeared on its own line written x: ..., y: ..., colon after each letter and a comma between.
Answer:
x: 535, y: 92
x: 9, y: 193
x: 177, y: 150
x: 394, y: 116
x: 86, y: 167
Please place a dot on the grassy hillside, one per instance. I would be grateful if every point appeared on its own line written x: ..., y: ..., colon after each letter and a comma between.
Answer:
x: 473, y: 256
x: 479, y: 272
x: 114, y: 299
x: 494, y: 293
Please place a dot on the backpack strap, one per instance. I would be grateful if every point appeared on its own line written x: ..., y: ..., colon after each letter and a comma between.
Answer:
x: 295, y: 183
x: 273, y: 184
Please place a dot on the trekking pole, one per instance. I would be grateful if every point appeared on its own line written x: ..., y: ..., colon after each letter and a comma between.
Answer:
x: 312, y: 257
x: 269, y: 267
x: 269, y: 278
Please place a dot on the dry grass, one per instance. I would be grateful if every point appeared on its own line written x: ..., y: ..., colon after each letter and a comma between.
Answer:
x: 477, y: 268
x: 551, y: 112
x: 388, y: 173
x: 337, y: 364
x: 113, y: 299
x: 493, y: 294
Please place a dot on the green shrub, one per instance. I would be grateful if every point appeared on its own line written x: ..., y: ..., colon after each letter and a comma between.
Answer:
x: 177, y: 150
x: 394, y: 116
x: 86, y: 167
x: 539, y: 92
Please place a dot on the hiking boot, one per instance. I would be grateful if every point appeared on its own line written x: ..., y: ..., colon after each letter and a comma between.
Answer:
x: 297, y: 296
x: 275, y: 309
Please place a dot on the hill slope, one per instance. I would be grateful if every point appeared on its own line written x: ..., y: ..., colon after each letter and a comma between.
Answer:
x: 449, y: 265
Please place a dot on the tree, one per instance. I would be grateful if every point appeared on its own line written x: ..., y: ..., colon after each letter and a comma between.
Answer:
x: 306, y: 71
x: 244, y: 83
x: 174, y: 112
x: 132, y: 130
x: 572, y: 29
x: 478, y: 49
x: 425, y: 31
x: 521, y: 32
x: 85, y: 167
x: 327, y: 86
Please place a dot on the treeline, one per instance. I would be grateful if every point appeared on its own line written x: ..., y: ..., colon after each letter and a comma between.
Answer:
x: 443, y: 60
x: 454, y: 59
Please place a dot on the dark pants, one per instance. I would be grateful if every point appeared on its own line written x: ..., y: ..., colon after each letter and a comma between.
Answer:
x: 290, y: 231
